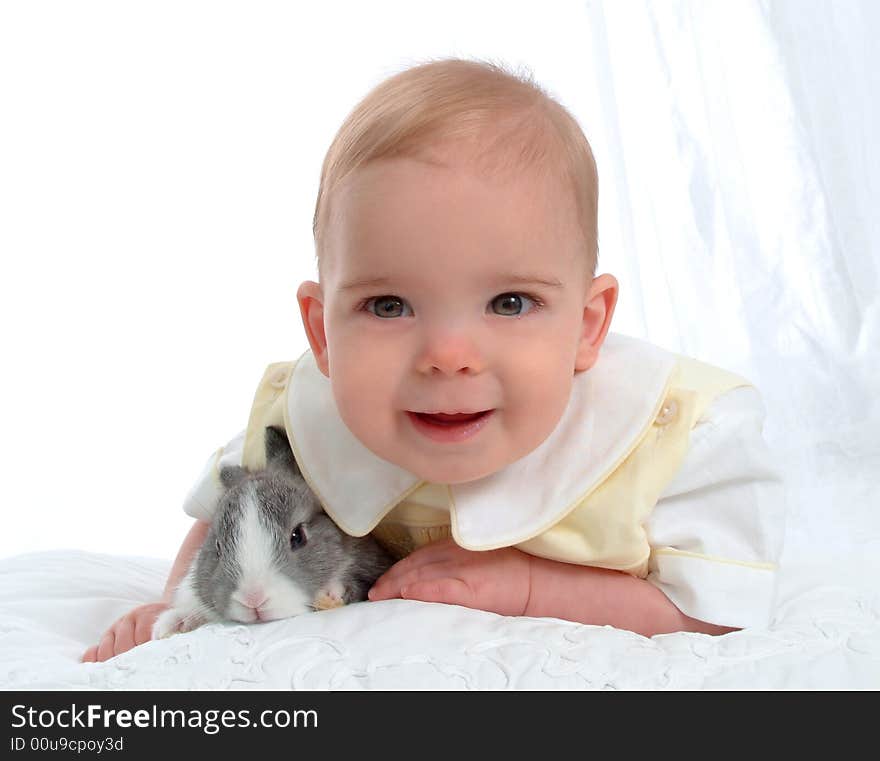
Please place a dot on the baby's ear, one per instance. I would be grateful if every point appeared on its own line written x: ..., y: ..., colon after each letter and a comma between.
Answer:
x: 230, y: 475
x: 278, y: 451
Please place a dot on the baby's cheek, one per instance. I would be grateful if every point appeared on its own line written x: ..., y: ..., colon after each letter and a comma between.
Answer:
x: 368, y: 416
x: 536, y: 407
x: 370, y: 393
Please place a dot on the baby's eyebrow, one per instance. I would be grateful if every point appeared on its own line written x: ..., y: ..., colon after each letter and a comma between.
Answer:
x: 365, y: 283
x: 550, y: 282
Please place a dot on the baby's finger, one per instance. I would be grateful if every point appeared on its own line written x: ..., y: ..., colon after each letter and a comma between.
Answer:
x: 447, y: 590
x: 430, y: 553
x: 388, y: 581
x: 143, y: 629
x: 90, y: 655
x: 105, y: 646
x: 124, y: 635
x: 440, y: 568
x: 384, y: 591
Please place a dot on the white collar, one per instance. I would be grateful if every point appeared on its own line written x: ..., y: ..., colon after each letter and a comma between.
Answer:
x: 608, y: 409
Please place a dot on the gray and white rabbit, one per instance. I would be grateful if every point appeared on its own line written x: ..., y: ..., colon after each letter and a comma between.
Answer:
x: 272, y: 552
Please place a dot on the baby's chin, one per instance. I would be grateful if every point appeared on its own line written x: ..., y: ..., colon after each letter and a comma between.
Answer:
x: 454, y: 477
x: 444, y: 468
x: 461, y: 467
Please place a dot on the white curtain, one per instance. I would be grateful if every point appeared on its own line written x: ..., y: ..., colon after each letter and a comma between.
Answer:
x: 739, y: 207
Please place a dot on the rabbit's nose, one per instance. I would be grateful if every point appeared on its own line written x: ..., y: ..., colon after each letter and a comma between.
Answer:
x: 253, y: 598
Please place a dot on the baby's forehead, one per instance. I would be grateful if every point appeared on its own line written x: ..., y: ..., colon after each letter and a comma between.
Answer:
x: 438, y: 205
x: 386, y: 192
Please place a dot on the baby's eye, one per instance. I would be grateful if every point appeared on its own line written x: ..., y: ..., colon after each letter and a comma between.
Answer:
x: 388, y: 306
x: 511, y: 304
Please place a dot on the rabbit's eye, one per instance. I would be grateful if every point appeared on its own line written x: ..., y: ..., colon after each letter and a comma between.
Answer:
x: 298, y: 537
x: 217, y: 547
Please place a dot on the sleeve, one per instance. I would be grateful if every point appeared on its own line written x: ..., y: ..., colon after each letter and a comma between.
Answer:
x: 716, y: 532
x: 202, y: 498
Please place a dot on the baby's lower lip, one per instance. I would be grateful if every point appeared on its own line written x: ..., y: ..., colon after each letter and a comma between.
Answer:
x: 450, y: 432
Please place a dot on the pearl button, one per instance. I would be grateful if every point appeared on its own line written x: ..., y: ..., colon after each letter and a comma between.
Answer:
x: 668, y: 412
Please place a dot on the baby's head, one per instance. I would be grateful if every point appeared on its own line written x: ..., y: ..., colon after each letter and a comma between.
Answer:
x: 456, y: 235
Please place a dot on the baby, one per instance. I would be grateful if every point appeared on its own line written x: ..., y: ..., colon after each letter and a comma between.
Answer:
x: 462, y: 398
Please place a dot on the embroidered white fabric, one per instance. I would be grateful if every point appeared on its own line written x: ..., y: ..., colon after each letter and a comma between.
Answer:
x: 53, y: 605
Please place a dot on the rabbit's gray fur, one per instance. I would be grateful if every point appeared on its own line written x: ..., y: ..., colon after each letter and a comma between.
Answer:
x: 248, y: 549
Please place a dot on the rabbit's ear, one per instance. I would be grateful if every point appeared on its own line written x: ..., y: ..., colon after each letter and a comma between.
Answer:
x: 278, y: 451
x: 230, y: 475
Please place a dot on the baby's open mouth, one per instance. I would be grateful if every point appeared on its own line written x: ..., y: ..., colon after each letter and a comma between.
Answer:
x: 450, y: 418
x: 450, y: 427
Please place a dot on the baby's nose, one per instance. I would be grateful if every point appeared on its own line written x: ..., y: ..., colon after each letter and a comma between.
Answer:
x: 451, y: 358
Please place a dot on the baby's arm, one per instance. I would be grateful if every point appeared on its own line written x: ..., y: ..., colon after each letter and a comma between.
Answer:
x: 514, y: 583
x: 191, y: 543
x: 602, y: 597
x: 135, y: 627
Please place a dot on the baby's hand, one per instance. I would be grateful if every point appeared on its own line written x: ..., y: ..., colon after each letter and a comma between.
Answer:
x: 493, y: 580
x: 134, y: 628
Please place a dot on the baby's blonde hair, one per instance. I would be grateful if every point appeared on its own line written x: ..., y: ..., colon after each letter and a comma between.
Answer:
x: 473, y: 102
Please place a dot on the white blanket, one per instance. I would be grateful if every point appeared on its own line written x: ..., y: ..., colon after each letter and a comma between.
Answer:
x: 53, y: 605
